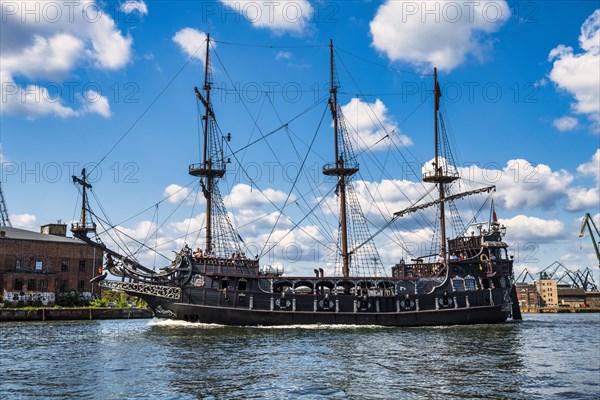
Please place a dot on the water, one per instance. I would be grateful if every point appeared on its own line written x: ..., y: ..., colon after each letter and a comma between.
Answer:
x: 544, y: 357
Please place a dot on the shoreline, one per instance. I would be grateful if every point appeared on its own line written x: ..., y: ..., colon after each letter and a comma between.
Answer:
x: 72, y: 314
x: 555, y: 310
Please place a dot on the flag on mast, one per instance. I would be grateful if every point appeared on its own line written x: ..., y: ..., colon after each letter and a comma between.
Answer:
x: 494, y: 217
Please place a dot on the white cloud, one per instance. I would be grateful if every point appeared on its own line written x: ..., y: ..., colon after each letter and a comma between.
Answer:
x: 24, y: 221
x: 582, y: 198
x: 192, y: 43
x: 579, y: 73
x: 521, y: 184
x: 278, y: 16
x: 370, y: 123
x: 131, y: 6
x: 96, y: 104
x: 244, y: 196
x: 522, y: 227
x: 565, y: 123
x: 440, y: 33
x: 591, y: 168
x: 175, y: 194
x: 283, y: 55
x: 35, y: 101
x: 49, y: 41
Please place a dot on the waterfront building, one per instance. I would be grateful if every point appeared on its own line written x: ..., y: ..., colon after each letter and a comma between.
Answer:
x: 527, y: 295
x: 38, y: 267
x: 548, y: 292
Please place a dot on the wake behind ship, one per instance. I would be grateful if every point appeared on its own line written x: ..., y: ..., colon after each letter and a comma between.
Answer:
x: 469, y: 281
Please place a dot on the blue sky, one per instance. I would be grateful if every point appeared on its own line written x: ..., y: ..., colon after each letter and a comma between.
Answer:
x: 521, y: 97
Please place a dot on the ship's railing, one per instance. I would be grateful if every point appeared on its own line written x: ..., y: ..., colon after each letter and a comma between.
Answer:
x: 226, y: 266
x: 463, y: 244
x: 168, y: 292
x: 419, y: 270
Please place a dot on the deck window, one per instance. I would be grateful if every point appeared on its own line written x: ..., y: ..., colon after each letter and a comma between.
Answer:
x: 39, y: 264
x: 458, y: 284
x: 470, y: 283
x: 242, y: 285
x: 64, y: 265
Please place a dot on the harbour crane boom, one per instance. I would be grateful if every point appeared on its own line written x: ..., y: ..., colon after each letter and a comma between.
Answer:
x: 589, y: 222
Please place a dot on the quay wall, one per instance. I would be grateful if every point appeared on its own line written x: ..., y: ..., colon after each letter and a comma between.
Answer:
x: 65, y: 314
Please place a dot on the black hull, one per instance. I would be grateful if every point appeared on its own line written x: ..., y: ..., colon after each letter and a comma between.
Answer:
x: 245, y: 317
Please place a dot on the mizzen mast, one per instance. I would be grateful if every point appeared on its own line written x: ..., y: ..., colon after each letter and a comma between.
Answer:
x: 441, y: 174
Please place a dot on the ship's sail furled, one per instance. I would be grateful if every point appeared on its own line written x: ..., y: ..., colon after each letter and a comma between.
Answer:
x: 356, y: 253
x: 221, y: 239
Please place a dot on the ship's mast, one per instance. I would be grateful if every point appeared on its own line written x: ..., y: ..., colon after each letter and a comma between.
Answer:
x: 82, y: 227
x: 207, y: 170
x: 439, y: 171
x: 206, y: 162
x: 440, y: 176
x: 339, y: 169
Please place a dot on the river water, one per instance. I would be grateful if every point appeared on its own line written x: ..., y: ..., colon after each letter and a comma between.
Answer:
x: 544, y: 357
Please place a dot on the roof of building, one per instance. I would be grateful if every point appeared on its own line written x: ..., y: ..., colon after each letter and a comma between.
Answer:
x: 22, y: 234
x: 570, y: 292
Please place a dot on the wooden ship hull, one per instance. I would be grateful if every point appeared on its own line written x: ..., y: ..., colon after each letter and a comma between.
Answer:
x: 225, y: 292
x: 243, y: 316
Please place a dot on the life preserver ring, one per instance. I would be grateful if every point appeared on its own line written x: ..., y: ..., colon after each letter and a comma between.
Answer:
x: 483, y: 258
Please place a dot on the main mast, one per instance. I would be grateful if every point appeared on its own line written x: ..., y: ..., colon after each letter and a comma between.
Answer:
x: 441, y: 175
x: 207, y: 170
x: 339, y: 169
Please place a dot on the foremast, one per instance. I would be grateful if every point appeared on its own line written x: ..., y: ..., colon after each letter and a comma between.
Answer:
x: 220, y: 239
x: 82, y: 228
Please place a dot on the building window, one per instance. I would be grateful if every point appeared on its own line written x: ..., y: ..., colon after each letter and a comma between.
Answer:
x: 63, y: 286
x: 18, y: 284
x: 19, y: 264
x: 81, y: 265
x: 64, y: 266
x: 38, y: 264
x: 31, y: 284
x: 81, y: 286
x: 43, y: 285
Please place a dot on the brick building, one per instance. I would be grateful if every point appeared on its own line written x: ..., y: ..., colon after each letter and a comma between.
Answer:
x: 527, y: 295
x: 39, y: 266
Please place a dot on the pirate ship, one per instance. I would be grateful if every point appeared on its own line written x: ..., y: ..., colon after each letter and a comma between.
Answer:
x: 469, y: 281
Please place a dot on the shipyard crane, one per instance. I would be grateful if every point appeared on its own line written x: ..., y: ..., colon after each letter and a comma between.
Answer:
x: 525, y: 273
x: 589, y: 222
x: 550, y: 270
x: 4, y: 221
